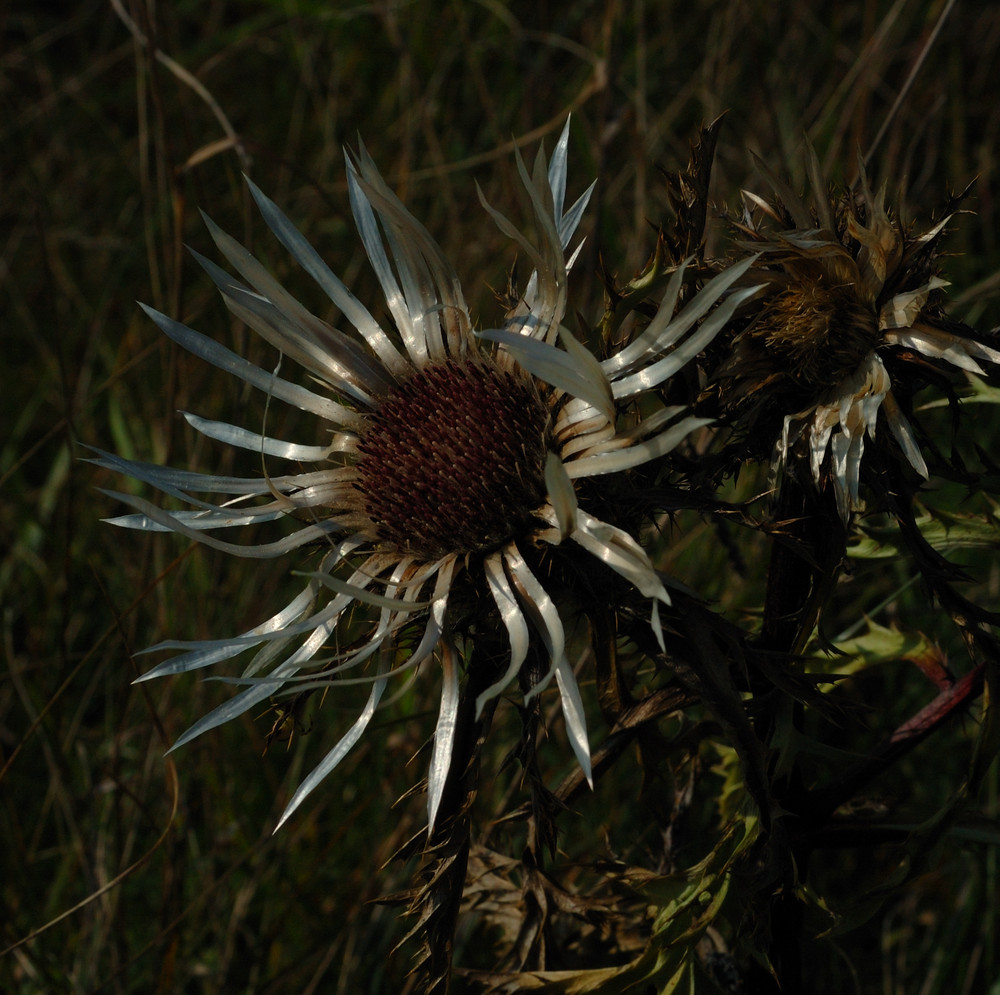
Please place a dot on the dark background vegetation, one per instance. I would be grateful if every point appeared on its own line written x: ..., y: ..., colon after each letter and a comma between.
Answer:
x: 117, y: 123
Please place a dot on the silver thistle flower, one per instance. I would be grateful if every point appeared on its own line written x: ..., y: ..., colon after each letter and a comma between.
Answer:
x: 453, y: 454
x: 847, y: 285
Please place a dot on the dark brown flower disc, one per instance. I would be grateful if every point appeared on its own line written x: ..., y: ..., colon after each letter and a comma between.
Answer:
x: 454, y: 460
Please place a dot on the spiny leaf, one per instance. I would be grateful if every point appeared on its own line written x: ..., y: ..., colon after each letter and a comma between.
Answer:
x: 880, y: 645
x: 943, y: 531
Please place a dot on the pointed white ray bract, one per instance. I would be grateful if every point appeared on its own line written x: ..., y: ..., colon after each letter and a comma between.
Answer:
x: 542, y: 611
x: 346, y: 744
x: 218, y: 355
x: 621, y: 553
x: 262, y: 551
x: 556, y: 367
x: 309, y: 259
x: 576, y: 720
x: 233, y: 435
x: 636, y: 454
x: 444, y: 733
x: 514, y: 623
x: 562, y: 495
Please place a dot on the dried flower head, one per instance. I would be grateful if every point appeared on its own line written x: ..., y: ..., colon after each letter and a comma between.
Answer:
x: 848, y: 286
x: 444, y: 464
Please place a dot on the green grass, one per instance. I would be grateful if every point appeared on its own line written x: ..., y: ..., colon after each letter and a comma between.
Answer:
x: 142, y: 874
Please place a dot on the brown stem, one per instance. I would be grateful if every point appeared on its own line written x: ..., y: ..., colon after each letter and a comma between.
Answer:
x: 805, y: 560
x: 436, y: 903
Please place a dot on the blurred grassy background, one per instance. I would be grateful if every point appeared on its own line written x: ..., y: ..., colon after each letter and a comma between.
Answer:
x: 120, y: 121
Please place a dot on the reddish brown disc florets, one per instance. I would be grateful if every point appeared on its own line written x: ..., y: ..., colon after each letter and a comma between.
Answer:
x: 454, y: 460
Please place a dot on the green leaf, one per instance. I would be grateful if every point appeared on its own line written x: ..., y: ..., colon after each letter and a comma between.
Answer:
x: 878, y: 646
x: 943, y: 530
x: 979, y: 392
